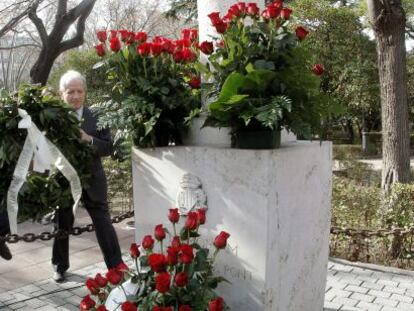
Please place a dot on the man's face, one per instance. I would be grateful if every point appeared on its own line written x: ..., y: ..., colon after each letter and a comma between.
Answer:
x: 74, y: 94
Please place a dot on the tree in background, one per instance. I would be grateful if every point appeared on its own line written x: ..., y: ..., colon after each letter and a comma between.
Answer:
x: 388, y: 22
x: 54, y: 42
x: 338, y: 40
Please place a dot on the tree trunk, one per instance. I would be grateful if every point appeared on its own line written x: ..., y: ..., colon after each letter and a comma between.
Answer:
x: 53, y: 44
x: 388, y: 20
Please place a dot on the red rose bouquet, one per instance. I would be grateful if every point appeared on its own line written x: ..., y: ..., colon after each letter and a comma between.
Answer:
x: 153, y: 82
x: 173, y: 276
x: 263, y: 75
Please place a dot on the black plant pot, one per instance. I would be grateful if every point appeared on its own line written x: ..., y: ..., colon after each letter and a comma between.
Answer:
x: 263, y: 138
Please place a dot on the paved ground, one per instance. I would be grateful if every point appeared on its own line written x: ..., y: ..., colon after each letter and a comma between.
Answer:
x: 25, y: 282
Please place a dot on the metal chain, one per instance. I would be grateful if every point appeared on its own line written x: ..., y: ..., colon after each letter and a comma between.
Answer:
x: 47, y: 236
x: 364, y: 233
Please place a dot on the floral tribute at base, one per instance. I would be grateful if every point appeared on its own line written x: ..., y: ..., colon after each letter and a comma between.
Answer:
x: 174, y: 276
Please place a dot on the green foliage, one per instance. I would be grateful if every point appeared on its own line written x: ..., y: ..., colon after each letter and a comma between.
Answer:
x: 41, y: 192
x: 398, y: 207
x: 346, y: 152
x: 338, y: 41
x: 355, y: 205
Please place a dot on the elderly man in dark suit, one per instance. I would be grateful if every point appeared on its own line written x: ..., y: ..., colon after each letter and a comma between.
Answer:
x: 73, y: 91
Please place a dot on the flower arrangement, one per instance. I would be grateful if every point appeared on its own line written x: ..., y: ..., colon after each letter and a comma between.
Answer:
x: 263, y: 77
x: 154, y: 84
x: 177, y: 276
x: 40, y: 193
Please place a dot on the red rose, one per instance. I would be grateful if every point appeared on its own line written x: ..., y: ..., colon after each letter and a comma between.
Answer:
x: 193, y: 34
x: 301, y: 32
x: 234, y: 11
x: 221, y: 27
x: 176, y: 241
x: 221, y: 240
x: 195, y: 83
x: 173, y: 215
x: 185, y: 308
x: 115, y: 44
x: 157, y: 308
x: 144, y: 49
x: 241, y: 6
x: 286, y: 13
x: 252, y: 9
x: 181, y: 279
x: 128, y: 306
x: 162, y: 282
x: 318, y: 69
x: 265, y: 14
x: 159, y: 232
x: 191, y: 222
x: 102, y: 35
x: 101, y: 280
x: 216, y: 304
x: 183, y: 43
x: 178, y: 56
x: 185, y: 255
x: 87, y: 303
x: 101, y: 308
x: 114, y: 276
x: 113, y: 34
x: 124, y: 34
x: 122, y: 267
x: 187, y: 55
x: 147, y: 242
x: 168, y: 46
x: 206, y: 47
x: 172, y: 255
x: 185, y: 33
x: 92, y: 285
x: 130, y: 37
x: 157, y: 262
x: 228, y: 18
x: 141, y: 36
x: 134, y: 250
x: 273, y: 12
x: 201, y: 214
x: 277, y: 4
x: 100, y: 49
x: 156, y: 48
x: 215, y: 18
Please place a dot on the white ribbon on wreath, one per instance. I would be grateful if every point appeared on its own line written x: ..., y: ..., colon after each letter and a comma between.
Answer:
x: 45, y: 155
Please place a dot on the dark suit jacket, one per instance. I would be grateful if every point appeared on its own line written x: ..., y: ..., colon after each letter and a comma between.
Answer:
x: 102, y: 144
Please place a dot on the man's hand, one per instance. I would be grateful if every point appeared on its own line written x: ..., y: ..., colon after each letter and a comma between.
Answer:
x: 85, y: 137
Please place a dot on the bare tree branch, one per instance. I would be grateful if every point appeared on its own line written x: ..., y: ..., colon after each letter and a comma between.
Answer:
x: 16, y: 20
x: 39, y: 24
x: 19, y: 46
x: 80, y: 28
x: 62, y: 9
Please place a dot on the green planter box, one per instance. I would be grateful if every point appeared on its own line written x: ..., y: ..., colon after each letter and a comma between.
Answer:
x: 257, y: 139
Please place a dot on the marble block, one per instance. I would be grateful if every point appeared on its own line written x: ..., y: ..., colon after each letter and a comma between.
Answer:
x: 274, y: 203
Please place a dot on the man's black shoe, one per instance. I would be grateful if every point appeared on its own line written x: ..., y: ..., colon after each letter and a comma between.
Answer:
x: 5, y: 251
x: 59, y: 277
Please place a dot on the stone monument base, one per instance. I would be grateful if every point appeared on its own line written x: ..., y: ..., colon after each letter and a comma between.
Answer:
x: 274, y: 203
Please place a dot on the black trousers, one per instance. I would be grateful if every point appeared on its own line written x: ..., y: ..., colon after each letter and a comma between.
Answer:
x: 105, y: 233
x: 4, y: 223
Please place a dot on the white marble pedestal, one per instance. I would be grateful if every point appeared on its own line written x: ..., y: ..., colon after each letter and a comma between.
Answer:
x: 274, y: 203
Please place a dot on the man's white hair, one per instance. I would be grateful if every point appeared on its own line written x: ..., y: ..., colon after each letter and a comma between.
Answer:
x: 68, y: 77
